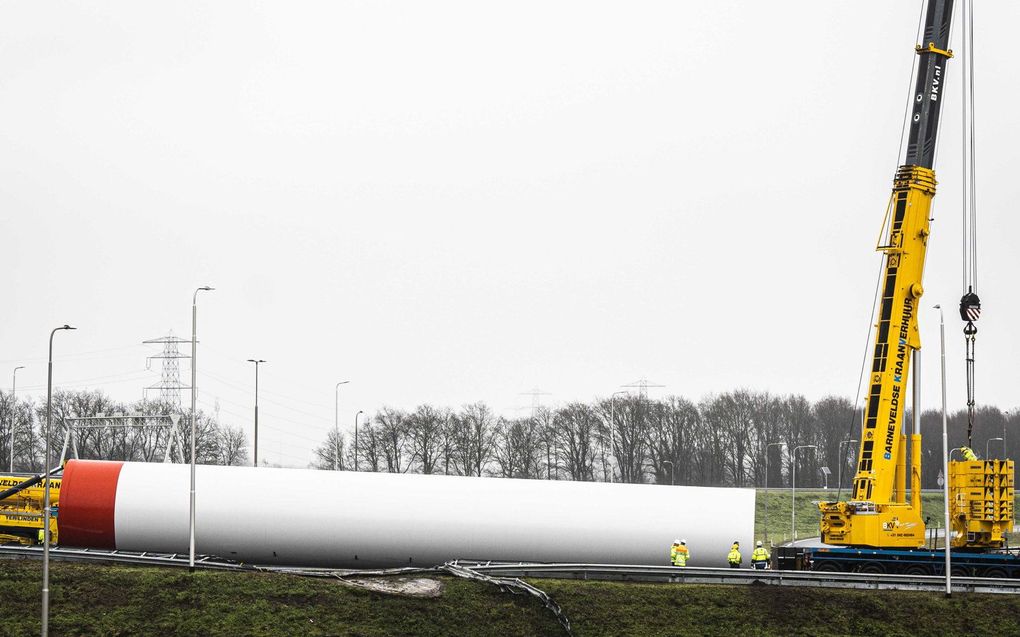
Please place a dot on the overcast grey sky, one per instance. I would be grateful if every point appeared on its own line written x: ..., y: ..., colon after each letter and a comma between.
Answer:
x: 449, y: 202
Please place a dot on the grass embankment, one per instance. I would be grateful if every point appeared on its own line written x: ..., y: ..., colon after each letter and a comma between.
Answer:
x: 109, y: 600
x: 113, y: 600
x: 777, y: 521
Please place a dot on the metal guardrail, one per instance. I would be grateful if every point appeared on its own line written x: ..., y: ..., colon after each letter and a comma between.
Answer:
x: 603, y: 572
x: 698, y: 575
x: 122, y: 557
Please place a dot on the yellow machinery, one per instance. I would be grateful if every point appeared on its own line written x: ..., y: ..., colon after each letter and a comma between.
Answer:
x: 981, y: 502
x: 21, y: 512
x: 878, y: 514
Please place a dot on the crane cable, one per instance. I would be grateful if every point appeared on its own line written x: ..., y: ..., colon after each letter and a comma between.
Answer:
x: 970, y: 304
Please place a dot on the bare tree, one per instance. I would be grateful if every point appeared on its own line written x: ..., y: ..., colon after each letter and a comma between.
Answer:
x: 576, y: 426
x: 392, y: 429
x: 8, y: 410
x: 101, y: 443
x: 711, y: 444
x: 17, y: 413
x: 232, y: 446
x: 548, y: 444
x: 27, y: 443
x: 672, y: 435
x: 604, y: 439
x: 370, y: 448
x: 800, y: 420
x: 835, y: 422
x: 629, y: 436
x: 767, y: 419
x: 473, y: 435
x: 330, y: 454
x: 516, y: 449
x: 447, y: 443
x: 149, y: 438
x: 425, y: 429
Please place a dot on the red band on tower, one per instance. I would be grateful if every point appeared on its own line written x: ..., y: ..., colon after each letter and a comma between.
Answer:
x: 88, y: 498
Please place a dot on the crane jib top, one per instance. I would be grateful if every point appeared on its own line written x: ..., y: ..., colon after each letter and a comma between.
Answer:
x: 931, y: 78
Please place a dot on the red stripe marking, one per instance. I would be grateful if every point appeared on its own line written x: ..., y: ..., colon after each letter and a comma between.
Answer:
x: 88, y: 498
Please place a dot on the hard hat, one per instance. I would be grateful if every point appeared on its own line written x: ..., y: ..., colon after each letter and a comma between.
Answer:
x: 683, y: 541
x: 759, y: 542
x: 676, y: 542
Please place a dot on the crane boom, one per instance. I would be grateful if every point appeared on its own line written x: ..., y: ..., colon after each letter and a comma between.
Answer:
x: 878, y: 514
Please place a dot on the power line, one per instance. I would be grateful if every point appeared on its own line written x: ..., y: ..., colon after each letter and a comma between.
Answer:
x: 67, y: 357
x: 244, y: 417
x: 109, y: 379
x: 262, y: 392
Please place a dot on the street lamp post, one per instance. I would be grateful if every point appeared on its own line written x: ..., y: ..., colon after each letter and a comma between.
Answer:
x: 945, y: 454
x: 356, y: 465
x: 336, y: 425
x: 14, y: 406
x: 670, y: 463
x: 1005, y: 419
x: 256, y: 450
x: 771, y: 444
x: 793, y: 490
x: 194, y: 391
x: 842, y: 461
x: 986, y: 445
x: 46, y: 496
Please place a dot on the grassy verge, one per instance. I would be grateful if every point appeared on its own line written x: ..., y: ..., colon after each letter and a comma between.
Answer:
x: 603, y: 608
x: 113, y: 600
x: 110, y: 600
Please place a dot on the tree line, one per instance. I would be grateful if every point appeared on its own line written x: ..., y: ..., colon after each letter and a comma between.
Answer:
x: 130, y: 436
x: 730, y: 439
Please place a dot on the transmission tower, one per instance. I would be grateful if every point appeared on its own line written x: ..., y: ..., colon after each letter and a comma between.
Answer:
x: 536, y: 399
x: 642, y: 386
x: 170, y: 384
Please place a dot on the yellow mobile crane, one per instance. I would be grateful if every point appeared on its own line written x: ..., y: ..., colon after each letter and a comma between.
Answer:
x: 878, y: 514
x: 21, y: 508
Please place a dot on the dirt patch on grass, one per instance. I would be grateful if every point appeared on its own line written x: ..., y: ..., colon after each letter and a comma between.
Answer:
x: 404, y: 586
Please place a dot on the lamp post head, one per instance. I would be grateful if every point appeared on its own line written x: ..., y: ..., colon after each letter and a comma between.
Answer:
x: 204, y: 288
x: 252, y: 360
x: 55, y: 330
